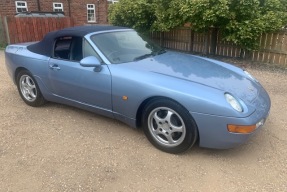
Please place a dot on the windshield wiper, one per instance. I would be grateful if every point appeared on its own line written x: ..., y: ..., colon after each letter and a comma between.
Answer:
x: 161, y: 51
x: 143, y: 56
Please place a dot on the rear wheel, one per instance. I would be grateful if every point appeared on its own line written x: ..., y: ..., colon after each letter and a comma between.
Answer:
x: 28, y: 89
x: 169, y: 126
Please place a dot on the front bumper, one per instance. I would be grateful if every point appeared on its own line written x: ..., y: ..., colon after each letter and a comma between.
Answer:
x: 213, y: 131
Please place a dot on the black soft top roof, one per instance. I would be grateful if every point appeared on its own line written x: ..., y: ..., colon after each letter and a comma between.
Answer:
x: 45, y: 46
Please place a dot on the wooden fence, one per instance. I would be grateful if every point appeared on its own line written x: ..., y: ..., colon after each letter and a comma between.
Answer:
x: 272, y: 50
x: 25, y: 29
x: 273, y: 46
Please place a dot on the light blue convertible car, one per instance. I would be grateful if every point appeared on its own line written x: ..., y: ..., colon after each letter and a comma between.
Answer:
x: 177, y: 99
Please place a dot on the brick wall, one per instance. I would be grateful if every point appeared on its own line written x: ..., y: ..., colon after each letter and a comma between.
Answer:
x: 78, y: 9
x: 8, y: 7
x: 47, y: 5
x: 103, y: 12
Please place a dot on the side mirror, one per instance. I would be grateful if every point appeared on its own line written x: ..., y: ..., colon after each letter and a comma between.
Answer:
x: 91, y: 61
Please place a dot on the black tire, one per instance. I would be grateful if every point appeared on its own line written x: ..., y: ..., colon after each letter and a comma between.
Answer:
x: 169, y: 126
x: 29, y: 89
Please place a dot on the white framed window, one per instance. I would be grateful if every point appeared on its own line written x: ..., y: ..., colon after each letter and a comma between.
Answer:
x: 58, y: 7
x: 91, y: 13
x: 21, y: 6
x: 113, y: 1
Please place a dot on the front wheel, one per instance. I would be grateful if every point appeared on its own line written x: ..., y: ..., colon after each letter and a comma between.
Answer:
x: 29, y: 90
x: 169, y: 126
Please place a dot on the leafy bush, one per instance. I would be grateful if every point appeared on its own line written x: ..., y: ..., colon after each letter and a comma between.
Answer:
x: 240, y: 21
x: 137, y: 14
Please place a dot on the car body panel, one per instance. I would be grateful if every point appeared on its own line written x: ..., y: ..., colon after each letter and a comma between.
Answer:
x: 119, y: 90
x: 70, y: 80
x: 162, y: 76
x: 217, y: 125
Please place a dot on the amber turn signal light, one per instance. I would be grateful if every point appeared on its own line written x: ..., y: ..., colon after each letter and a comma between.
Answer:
x: 241, y: 128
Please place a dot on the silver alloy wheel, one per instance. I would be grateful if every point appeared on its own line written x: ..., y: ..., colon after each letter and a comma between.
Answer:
x: 28, y: 88
x: 166, y: 126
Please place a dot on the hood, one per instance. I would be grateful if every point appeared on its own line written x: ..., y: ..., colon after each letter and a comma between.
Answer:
x: 201, y: 70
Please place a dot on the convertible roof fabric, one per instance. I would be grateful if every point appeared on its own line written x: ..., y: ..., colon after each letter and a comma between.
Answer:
x: 45, y: 46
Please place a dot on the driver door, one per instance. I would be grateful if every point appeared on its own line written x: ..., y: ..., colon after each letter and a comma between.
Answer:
x: 74, y: 83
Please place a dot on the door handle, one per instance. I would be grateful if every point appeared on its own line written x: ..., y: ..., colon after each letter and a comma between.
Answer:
x: 54, y: 67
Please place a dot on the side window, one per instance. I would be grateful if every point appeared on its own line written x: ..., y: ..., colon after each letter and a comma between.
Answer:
x: 76, y: 49
x: 68, y: 48
x: 89, y: 51
x: 62, y: 47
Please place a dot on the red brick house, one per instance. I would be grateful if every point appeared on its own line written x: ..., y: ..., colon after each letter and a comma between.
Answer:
x: 82, y: 11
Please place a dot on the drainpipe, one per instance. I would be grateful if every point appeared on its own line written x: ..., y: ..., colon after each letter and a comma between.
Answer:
x: 69, y: 7
x: 39, y: 7
x: 97, y: 16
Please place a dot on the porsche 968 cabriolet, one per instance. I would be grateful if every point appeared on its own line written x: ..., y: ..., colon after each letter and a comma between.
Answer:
x: 178, y: 99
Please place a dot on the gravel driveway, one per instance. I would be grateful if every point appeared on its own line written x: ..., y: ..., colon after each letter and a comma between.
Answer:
x: 60, y: 148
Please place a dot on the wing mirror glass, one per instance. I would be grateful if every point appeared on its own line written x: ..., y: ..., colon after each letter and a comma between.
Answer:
x: 91, y: 61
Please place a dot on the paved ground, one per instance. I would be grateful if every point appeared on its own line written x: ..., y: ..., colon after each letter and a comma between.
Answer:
x: 59, y: 148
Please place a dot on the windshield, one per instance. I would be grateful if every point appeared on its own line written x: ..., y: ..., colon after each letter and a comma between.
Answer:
x: 125, y: 46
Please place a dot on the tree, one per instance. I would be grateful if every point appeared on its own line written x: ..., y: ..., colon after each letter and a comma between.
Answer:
x: 137, y: 14
x: 168, y: 14
x: 239, y: 21
x: 250, y: 18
